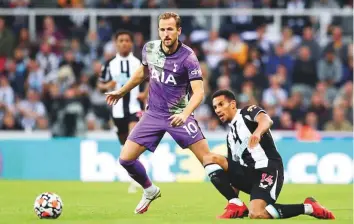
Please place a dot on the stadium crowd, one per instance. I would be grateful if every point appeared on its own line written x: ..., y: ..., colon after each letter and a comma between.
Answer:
x: 300, y: 81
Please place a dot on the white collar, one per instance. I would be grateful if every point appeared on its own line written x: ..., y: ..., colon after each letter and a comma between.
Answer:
x: 127, y: 57
x: 235, y: 118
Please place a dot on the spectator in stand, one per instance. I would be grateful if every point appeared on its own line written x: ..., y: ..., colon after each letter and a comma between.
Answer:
x: 104, y: 31
x: 109, y: 49
x: 139, y: 43
x: 306, y: 132
x: 214, y: 49
x: 286, y: 122
x: 94, y: 46
x: 100, y: 109
x: 345, y: 93
x: 279, y: 58
x: 35, y: 79
x: 52, y: 35
x: 344, y: 99
x: 339, y: 121
x: 327, y: 92
x: 305, y: 72
x: 237, y: 49
x: 304, y: 77
x: 254, y: 57
x: 76, y: 66
x: 337, y: 44
x: 250, y: 73
x: 77, y: 51
x: 17, y: 72
x: 330, y: 68
x: 311, y: 119
x: 9, y: 123
x: 23, y: 42
x: 320, y: 108
x: 348, y: 66
x: 32, y: 112
x: 309, y: 41
x: 7, y: 96
x: 275, y: 95
x: 289, y: 41
x: 248, y: 95
x: 6, y: 40
x: 294, y: 105
x: 48, y: 61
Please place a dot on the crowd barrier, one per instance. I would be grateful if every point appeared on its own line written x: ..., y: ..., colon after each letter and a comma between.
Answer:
x: 329, y: 161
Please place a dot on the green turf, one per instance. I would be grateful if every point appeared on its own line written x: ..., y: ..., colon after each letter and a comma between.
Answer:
x: 109, y: 203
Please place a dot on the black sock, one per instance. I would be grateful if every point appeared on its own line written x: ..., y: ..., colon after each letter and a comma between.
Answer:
x: 278, y: 211
x: 220, y: 180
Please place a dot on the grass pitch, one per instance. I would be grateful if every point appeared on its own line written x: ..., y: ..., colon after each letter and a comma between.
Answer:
x: 109, y: 203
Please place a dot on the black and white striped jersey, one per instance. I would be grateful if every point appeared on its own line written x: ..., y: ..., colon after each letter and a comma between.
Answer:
x: 120, y: 69
x: 264, y: 155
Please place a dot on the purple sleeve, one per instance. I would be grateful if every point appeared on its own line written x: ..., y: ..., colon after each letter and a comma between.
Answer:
x: 143, y: 58
x: 192, y: 65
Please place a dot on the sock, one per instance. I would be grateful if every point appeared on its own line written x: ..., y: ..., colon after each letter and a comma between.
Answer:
x: 308, y: 209
x: 278, y: 211
x: 220, y: 180
x: 137, y: 171
x: 236, y: 201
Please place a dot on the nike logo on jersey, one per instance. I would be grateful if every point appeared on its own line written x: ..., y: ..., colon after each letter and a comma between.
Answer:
x: 194, y: 136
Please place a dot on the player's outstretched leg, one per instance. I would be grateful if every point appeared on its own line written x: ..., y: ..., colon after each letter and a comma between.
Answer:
x: 214, y: 167
x: 280, y: 211
x: 128, y: 159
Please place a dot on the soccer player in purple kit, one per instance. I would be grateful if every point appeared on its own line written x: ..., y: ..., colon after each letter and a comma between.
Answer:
x: 175, y: 78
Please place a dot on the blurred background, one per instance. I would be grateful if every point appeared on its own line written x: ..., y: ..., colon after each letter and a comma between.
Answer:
x: 293, y: 57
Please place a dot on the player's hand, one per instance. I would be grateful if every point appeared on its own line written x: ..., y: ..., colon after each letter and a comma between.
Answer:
x: 178, y: 119
x: 113, y: 97
x: 254, y: 140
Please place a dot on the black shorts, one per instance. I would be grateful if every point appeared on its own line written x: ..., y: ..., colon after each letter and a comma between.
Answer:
x: 123, y: 123
x: 264, y: 183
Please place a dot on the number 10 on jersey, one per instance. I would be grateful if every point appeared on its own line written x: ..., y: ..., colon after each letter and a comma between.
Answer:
x: 191, y: 128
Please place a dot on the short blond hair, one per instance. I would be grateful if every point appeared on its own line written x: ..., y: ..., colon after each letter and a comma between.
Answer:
x: 168, y: 15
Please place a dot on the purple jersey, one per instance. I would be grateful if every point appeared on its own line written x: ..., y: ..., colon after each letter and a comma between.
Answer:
x: 170, y: 76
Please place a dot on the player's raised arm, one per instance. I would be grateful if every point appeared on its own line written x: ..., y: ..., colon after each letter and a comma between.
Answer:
x: 264, y: 123
x: 137, y: 78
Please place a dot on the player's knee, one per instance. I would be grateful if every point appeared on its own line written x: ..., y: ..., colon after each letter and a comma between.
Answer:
x: 259, y: 215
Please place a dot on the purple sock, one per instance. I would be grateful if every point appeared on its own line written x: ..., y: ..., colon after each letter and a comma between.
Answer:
x: 137, y: 171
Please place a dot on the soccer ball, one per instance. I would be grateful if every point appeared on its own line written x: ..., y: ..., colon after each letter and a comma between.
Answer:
x: 48, y: 206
